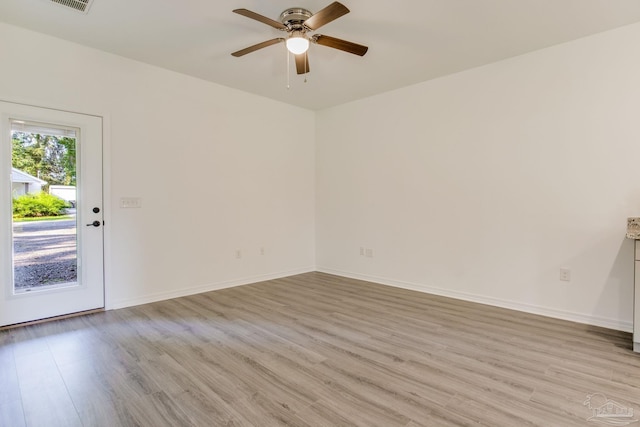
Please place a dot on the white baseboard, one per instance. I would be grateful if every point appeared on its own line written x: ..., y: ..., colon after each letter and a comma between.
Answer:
x: 162, y: 296
x: 513, y: 305
x: 527, y: 308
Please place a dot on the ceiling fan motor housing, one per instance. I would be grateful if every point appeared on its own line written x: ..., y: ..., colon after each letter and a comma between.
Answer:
x: 295, y: 17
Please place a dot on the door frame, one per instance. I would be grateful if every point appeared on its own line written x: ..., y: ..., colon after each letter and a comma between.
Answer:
x: 106, y: 188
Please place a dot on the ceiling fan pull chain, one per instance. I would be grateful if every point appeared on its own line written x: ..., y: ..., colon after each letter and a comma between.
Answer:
x: 288, y: 68
x: 306, y: 64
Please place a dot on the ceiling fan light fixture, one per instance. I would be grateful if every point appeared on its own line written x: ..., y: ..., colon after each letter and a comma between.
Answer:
x: 297, y: 44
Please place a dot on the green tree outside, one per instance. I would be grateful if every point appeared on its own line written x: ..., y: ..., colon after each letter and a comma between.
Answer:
x: 48, y: 157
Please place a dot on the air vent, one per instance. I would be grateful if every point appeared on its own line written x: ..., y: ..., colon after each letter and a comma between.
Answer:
x: 78, y: 5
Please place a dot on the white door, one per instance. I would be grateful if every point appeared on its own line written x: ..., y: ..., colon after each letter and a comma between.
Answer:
x: 51, y: 264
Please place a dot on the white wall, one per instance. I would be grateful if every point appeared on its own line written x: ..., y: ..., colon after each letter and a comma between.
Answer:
x: 483, y: 184
x: 163, y: 127
x: 479, y: 185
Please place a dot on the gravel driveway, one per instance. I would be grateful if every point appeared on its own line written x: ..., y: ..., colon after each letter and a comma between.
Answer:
x: 44, y: 253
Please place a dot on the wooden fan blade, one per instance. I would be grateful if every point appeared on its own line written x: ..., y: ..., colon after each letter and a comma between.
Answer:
x: 302, y: 63
x: 334, y: 11
x: 257, y: 47
x: 260, y: 18
x: 356, y: 49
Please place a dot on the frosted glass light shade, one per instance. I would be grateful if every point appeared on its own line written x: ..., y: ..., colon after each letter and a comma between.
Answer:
x: 297, y: 45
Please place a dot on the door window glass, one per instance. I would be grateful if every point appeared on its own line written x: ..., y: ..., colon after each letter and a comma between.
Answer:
x: 43, y: 193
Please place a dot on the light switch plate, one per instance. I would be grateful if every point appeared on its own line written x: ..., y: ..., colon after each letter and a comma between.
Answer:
x: 130, y: 202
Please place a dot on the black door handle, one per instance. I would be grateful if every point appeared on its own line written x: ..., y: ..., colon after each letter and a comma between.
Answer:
x: 95, y: 223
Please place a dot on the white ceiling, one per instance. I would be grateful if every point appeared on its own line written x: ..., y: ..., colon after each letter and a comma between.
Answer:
x: 409, y: 40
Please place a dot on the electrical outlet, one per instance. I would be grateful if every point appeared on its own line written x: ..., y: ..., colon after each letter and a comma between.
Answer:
x: 238, y: 254
x: 565, y: 274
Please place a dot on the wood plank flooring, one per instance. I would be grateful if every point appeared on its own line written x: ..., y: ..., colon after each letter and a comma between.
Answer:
x: 312, y: 350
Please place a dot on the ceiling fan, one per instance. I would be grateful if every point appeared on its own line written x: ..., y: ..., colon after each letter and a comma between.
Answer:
x: 297, y: 23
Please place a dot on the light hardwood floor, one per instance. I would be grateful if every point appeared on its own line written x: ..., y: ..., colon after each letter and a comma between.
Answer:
x: 312, y: 350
